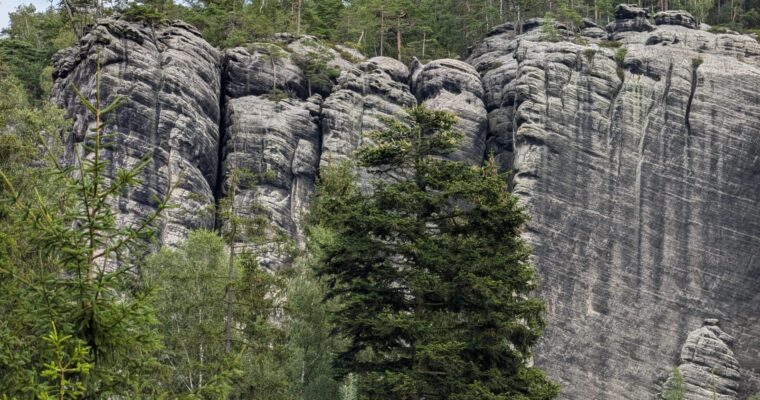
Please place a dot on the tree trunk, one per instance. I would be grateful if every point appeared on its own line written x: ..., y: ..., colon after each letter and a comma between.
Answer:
x: 382, y: 31
x: 424, y: 36
x: 298, y: 17
x: 398, y: 42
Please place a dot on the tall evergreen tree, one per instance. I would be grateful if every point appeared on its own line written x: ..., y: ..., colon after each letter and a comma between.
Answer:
x: 67, y: 265
x: 432, y: 275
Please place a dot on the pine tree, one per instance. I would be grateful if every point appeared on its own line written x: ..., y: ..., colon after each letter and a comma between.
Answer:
x: 68, y: 264
x: 432, y: 276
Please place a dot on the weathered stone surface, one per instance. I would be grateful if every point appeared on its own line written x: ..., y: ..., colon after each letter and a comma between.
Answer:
x: 171, y: 78
x: 639, y: 167
x: 629, y: 17
x: 276, y: 145
x: 675, y: 17
x: 455, y: 86
x: 642, y: 178
x: 376, y: 88
x: 707, y: 366
x: 261, y: 68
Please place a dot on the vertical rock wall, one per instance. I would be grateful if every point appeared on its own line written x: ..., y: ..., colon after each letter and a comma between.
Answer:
x: 638, y: 161
x: 639, y: 167
x: 170, y: 78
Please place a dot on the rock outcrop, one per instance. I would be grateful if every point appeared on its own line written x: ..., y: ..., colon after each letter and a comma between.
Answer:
x: 376, y: 88
x: 171, y: 78
x: 635, y: 151
x: 639, y: 166
x: 708, y: 369
x: 455, y: 86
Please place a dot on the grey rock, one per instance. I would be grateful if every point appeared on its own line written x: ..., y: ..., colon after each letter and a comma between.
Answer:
x: 675, y: 17
x: 707, y: 366
x: 641, y: 175
x: 594, y: 33
x: 171, y: 78
x: 641, y: 180
x: 455, y: 86
x: 629, y: 17
x: 261, y: 69
x: 276, y: 145
x: 376, y: 88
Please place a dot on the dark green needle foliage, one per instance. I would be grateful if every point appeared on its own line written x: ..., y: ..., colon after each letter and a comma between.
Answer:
x: 431, y: 273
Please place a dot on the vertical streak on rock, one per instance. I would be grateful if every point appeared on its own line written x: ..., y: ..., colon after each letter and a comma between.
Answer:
x: 686, y: 119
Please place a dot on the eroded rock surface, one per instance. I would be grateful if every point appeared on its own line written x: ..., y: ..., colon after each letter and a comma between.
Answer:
x: 639, y: 166
x: 707, y: 367
x: 275, y: 147
x: 455, y: 86
x: 376, y: 88
x: 170, y: 77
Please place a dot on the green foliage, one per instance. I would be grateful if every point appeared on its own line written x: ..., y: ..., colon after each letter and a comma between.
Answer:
x: 349, y: 388
x: 311, y: 343
x: 620, y: 56
x: 193, y: 284
x: 431, y: 275
x: 32, y: 38
x: 675, y: 390
x: 319, y: 75
x: 69, y: 362
x: 589, y: 53
x: 277, y: 95
x: 698, y: 8
x: 549, y: 31
x: 67, y: 262
x: 620, y: 60
x: 190, y: 282
x: 613, y: 44
x: 143, y: 13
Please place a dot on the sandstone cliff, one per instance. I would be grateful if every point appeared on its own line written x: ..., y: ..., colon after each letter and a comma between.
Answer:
x: 635, y: 149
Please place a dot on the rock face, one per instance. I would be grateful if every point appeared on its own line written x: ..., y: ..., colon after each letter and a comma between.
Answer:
x: 628, y: 17
x: 708, y: 368
x: 170, y: 77
x: 639, y: 166
x: 455, y: 86
x: 675, y: 17
x: 275, y: 147
x: 375, y: 89
x: 640, y: 169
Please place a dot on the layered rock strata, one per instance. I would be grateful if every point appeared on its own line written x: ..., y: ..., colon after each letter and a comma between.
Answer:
x: 707, y: 369
x: 635, y: 151
x: 638, y: 162
x: 171, y: 79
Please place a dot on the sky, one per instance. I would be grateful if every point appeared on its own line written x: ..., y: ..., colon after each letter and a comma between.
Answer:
x: 7, y: 6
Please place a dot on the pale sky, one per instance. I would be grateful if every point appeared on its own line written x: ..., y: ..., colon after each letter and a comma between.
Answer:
x: 6, y: 6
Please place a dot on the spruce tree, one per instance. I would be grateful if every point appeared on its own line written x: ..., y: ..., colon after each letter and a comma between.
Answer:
x: 69, y: 274
x: 432, y: 276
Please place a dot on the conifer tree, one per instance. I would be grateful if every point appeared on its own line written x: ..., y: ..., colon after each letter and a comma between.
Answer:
x: 68, y: 265
x: 432, y: 275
